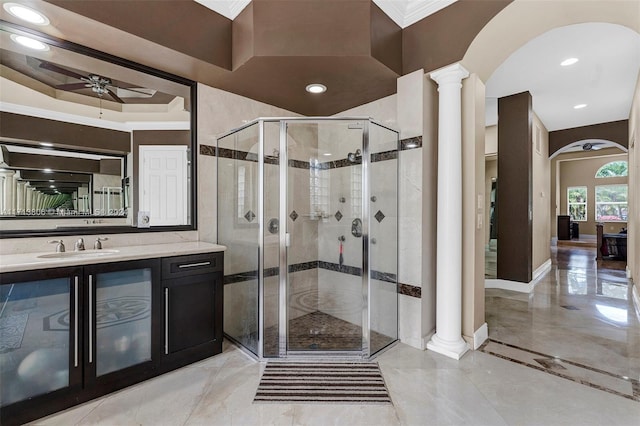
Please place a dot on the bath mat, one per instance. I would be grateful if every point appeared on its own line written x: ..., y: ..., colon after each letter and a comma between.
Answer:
x: 322, y: 383
x: 12, y: 330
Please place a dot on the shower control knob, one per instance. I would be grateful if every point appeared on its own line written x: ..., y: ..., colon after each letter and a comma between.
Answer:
x: 374, y: 198
x: 373, y: 241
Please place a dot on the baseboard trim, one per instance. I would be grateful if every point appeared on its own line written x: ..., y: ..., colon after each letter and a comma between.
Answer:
x: 516, y: 285
x: 480, y: 336
x: 508, y: 285
x: 542, y: 269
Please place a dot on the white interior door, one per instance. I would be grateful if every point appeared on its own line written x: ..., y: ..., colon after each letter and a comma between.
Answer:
x: 163, y: 184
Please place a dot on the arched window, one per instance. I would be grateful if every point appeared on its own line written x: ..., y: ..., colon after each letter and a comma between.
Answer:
x: 613, y: 169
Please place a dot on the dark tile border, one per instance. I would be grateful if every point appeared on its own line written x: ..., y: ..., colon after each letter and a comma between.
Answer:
x: 208, y: 150
x: 411, y: 143
x: 405, y: 289
x: 635, y: 384
x: 410, y: 290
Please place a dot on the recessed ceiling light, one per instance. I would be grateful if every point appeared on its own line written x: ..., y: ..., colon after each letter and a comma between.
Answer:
x: 26, y: 13
x: 45, y: 143
x: 52, y: 186
x: 29, y: 42
x: 579, y: 106
x: 316, y: 88
x: 327, y: 154
x: 569, y: 61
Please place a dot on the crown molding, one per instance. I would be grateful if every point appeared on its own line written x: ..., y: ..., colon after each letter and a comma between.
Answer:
x: 402, y: 12
x: 230, y: 9
x: 408, y: 12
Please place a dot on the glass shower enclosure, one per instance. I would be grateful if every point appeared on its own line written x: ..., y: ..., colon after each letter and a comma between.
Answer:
x: 308, y: 210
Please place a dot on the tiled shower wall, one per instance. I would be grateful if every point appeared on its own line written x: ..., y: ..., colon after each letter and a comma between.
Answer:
x: 402, y: 111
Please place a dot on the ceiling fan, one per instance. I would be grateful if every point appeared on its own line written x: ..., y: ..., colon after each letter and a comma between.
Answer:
x: 589, y: 146
x: 99, y: 84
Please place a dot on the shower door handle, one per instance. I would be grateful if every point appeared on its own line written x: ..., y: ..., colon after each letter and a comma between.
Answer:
x: 356, y: 228
x: 287, y: 239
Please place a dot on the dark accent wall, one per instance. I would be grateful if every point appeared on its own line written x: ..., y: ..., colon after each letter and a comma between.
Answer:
x: 515, y: 186
x: 444, y: 37
x: 351, y: 46
x: 386, y: 40
x: 183, y: 25
x: 614, y: 131
x: 87, y: 138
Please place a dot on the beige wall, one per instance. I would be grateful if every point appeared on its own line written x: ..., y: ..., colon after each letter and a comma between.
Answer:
x: 218, y: 113
x: 633, y: 244
x: 473, y: 210
x: 541, y: 188
x: 581, y: 172
x: 491, y: 140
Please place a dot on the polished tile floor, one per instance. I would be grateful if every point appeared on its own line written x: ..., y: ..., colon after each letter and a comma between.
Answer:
x: 575, y: 314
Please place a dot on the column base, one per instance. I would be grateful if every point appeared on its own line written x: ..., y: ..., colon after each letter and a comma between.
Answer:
x: 453, y: 350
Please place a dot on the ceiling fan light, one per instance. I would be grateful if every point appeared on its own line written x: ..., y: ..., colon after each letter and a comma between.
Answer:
x: 26, y: 14
x: 29, y: 42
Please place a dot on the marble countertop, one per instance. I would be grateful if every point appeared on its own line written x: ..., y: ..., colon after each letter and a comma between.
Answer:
x: 31, y: 261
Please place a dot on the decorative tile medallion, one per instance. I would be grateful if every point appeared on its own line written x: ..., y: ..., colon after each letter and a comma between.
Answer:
x: 249, y: 216
x: 379, y: 216
x: 293, y: 215
x: 338, y: 215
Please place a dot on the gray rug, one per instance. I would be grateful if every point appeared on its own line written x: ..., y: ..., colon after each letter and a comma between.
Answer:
x: 322, y: 383
x: 12, y: 330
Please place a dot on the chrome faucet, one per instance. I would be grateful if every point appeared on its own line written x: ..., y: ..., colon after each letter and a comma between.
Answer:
x: 59, y: 246
x: 79, y: 245
x: 98, y: 244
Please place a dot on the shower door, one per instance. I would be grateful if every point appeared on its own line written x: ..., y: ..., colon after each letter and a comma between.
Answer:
x: 325, y: 237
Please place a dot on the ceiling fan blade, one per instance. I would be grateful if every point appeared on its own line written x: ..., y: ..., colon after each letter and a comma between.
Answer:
x: 129, y: 90
x: 114, y: 96
x: 52, y: 67
x: 72, y: 86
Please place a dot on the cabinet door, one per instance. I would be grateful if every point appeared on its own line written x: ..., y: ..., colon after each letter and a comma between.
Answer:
x: 40, y: 339
x: 122, y: 321
x: 191, y: 312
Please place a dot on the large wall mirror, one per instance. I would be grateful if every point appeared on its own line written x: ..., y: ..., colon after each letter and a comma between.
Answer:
x: 90, y: 142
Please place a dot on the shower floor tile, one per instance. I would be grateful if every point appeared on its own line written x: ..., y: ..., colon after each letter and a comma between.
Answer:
x: 318, y: 331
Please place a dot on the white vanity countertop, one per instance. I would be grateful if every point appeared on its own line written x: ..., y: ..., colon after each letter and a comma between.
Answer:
x: 31, y: 261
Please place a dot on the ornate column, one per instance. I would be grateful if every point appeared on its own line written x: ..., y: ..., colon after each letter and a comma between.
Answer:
x: 20, y: 197
x: 8, y: 195
x: 448, y: 338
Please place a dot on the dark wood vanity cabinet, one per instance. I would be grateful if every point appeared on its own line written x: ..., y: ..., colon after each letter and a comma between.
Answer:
x: 192, y: 291
x: 69, y: 335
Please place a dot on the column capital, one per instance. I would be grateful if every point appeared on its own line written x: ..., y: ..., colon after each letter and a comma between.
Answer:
x: 453, y: 73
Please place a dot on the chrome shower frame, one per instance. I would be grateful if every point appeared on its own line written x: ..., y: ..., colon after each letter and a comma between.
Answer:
x: 283, y: 353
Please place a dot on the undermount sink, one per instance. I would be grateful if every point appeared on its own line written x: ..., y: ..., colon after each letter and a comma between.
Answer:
x: 82, y: 253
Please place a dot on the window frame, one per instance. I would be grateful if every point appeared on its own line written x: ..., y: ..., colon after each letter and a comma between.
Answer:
x: 585, y: 203
x: 598, y: 203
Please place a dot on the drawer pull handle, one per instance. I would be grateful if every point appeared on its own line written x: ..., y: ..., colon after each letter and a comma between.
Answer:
x: 90, y: 319
x: 193, y: 265
x: 166, y: 321
x: 75, y: 322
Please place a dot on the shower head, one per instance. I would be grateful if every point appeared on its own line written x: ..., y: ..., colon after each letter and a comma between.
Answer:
x: 354, y: 156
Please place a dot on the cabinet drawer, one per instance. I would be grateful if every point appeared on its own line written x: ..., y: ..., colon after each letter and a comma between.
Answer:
x: 195, y: 264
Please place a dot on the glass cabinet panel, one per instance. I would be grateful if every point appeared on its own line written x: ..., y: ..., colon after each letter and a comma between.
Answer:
x: 122, y: 319
x: 37, y: 323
